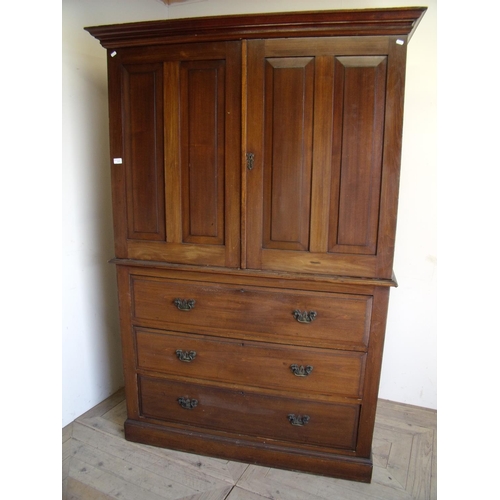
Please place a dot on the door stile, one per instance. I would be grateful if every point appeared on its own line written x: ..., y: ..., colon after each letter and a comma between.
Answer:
x: 393, y: 137
x: 116, y: 141
x: 244, y: 151
x: 322, y: 153
x: 172, y: 154
x: 233, y: 146
x: 254, y: 145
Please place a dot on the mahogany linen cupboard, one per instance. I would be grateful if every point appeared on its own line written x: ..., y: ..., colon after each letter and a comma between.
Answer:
x: 255, y: 167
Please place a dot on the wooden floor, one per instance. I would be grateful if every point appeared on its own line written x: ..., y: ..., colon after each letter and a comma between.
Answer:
x: 98, y: 464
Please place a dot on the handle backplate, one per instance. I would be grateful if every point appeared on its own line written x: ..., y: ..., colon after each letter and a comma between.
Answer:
x: 301, y: 371
x: 184, y: 304
x: 305, y: 317
x: 186, y: 356
x: 299, y: 420
x: 187, y: 403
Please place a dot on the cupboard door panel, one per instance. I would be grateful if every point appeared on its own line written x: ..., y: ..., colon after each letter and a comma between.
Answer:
x: 359, y: 90
x: 288, y: 94
x: 143, y: 141
x: 202, y: 151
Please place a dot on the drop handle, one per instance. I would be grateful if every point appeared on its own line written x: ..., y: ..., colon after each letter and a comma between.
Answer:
x: 184, y: 304
x: 187, y: 403
x: 305, y: 317
x: 185, y: 356
x: 298, y: 420
x: 301, y: 371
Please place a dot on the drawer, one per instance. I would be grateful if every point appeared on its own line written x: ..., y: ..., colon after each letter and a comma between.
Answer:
x: 257, y: 364
x: 278, y: 418
x: 275, y: 315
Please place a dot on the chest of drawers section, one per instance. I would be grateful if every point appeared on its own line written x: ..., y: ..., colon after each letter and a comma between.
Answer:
x: 249, y: 365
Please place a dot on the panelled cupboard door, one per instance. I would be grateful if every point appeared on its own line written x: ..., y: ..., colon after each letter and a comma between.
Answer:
x: 324, y: 128
x: 175, y: 127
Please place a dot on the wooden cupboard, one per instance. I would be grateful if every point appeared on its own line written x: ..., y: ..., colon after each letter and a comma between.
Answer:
x: 255, y: 166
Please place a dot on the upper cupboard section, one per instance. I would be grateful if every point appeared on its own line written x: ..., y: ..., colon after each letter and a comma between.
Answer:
x: 318, y: 125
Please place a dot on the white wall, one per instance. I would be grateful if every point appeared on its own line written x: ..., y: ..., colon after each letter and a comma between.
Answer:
x: 91, y: 356
x: 91, y: 346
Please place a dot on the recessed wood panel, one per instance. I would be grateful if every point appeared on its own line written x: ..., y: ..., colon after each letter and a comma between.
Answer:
x: 288, y: 108
x: 143, y: 149
x: 359, y: 101
x: 202, y: 89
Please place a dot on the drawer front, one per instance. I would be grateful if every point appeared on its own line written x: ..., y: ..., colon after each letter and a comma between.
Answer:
x: 257, y: 364
x: 284, y: 316
x: 294, y: 420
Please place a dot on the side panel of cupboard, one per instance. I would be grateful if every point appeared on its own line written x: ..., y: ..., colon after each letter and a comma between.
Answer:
x: 319, y: 111
x: 175, y: 121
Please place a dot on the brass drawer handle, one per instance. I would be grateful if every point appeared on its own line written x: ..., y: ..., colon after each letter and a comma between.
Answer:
x: 184, y: 304
x: 186, y: 356
x: 305, y: 317
x: 301, y: 371
x: 298, y: 420
x: 187, y: 404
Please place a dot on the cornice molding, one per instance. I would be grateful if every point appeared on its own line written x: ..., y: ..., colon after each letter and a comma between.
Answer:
x: 365, y: 22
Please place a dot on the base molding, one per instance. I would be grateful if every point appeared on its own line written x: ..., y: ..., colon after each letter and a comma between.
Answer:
x: 241, y: 450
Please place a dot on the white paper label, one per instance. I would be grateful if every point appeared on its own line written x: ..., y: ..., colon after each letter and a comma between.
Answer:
x: 117, y: 161
x: 113, y: 54
x: 400, y: 42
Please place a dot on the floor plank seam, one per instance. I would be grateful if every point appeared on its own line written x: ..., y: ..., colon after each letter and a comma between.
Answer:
x: 230, y: 491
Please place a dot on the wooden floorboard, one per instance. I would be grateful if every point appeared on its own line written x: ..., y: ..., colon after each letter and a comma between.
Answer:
x: 99, y: 464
